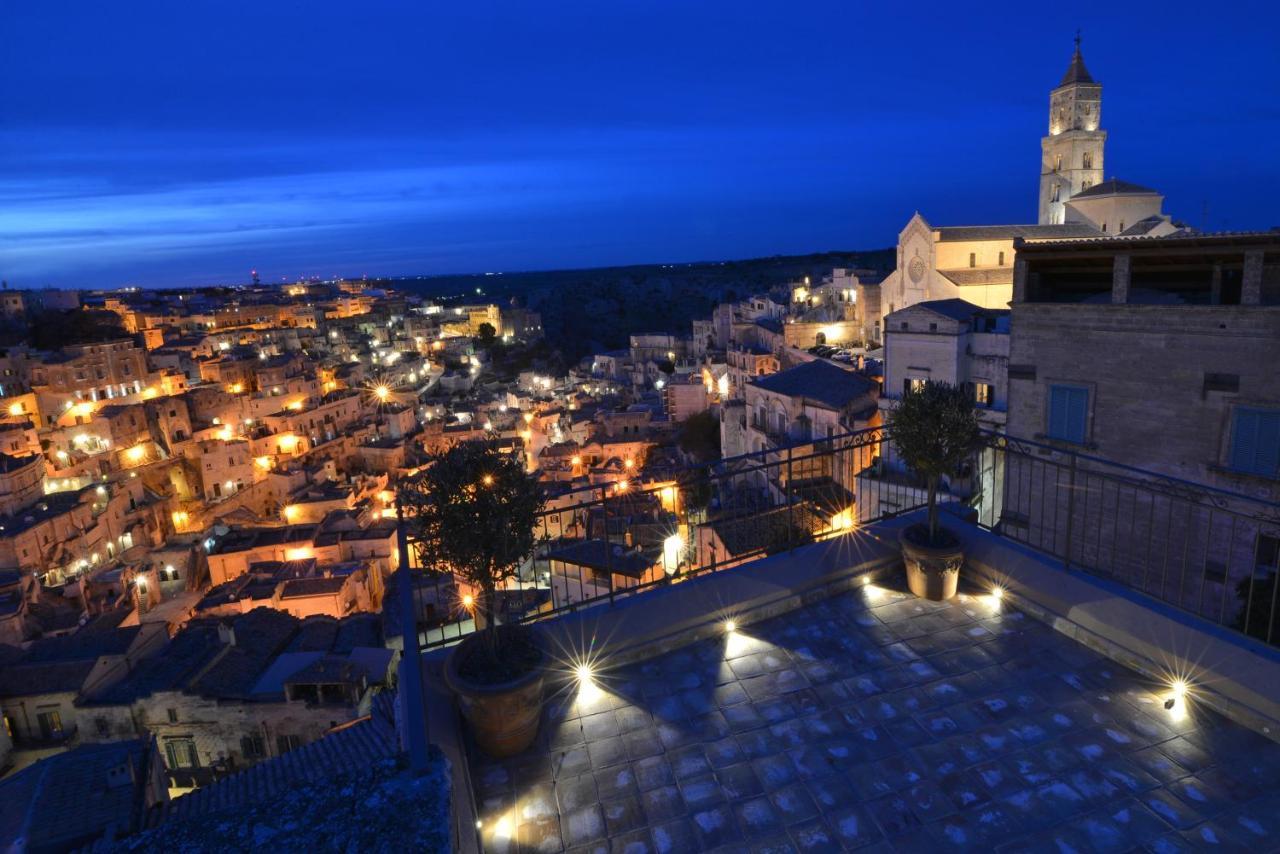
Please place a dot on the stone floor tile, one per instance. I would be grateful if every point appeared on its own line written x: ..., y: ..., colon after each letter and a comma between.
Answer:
x: 623, y: 815
x: 606, y: 752
x: 583, y: 826
x: 541, y: 836
x: 757, y: 817
x: 701, y: 792
x: 894, y: 815
x: 853, y: 827
x: 739, y: 781
x: 573, y: 793
x: 689, y: 762
x: 662, y: 804
x: 775, y: 771
x: 652, y: 772
x: 674, y: 837
x: 616, y: 782
x: 1102, y: 834
x: 636, y: 842
x: 599, y: 726
x: 569, y: 763
x: 794, y: 804
x: 716, y: 826
x: 815, y: 837
x: 774, y: 845
x: 1170, y: 808
x: 642, y: 743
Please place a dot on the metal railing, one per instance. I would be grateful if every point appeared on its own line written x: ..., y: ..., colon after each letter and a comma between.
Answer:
x: 1211, y: 552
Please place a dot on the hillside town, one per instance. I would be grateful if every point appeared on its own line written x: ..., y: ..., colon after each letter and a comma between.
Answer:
x: 200, y: 558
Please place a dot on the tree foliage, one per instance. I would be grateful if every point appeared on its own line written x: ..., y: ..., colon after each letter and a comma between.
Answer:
x: 51, y: 330
x: 934, y: 429
x: 700, y: 436
x: 486, y: 333
x: 473, y: 511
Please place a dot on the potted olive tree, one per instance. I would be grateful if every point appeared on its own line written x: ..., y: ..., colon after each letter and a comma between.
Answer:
x: 933, y: 430
x: 473, y: 511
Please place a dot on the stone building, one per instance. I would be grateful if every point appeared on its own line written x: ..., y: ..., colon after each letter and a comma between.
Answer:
x: 1161, y: 354
x: 226, y: 693
x: 953, y: 342
x: 975, y: 263
x: 1071, y: 155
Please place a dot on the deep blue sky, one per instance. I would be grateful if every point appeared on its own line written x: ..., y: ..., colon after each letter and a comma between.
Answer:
x: 179, y: 142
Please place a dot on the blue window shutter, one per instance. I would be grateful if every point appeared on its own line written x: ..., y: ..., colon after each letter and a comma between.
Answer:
x: 1068, y: 412
x: 1077, y: 414
x: 1268, y: 457
x: 1057, y: 411
x: 1255, y: 442
x: 1244, y: 440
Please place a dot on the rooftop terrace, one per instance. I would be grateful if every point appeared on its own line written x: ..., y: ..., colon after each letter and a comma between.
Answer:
x: 1113, y: 695
x: 874, y: 719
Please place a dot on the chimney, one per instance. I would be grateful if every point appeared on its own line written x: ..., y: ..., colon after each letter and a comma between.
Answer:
x: 227, y: 634
x: 120, y: 775
x: 628, y: 539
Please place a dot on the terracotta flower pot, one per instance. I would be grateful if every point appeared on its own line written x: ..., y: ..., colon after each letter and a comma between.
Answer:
x: 933, y: 572
x: 503, y: 716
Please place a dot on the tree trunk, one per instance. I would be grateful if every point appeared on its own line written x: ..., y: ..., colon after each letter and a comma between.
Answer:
x: 484, y: 614
x: 933, y: 509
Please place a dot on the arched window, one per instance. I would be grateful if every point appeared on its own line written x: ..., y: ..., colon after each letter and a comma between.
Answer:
x: 1057, y: 163
x: 1087, y: 160
x: 1057, y: 192
x: 1121, y: 228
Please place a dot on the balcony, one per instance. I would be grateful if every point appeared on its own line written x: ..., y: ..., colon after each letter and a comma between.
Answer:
x: 840, y: 712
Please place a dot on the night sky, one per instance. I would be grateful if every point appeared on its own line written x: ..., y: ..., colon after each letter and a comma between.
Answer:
x: 170, y: 143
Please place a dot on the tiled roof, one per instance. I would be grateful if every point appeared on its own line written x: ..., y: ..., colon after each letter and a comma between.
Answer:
x: 613, y: 557
x: 65, y: 801
x: 819, y: 381
x: 83, y: 645
x: 312, y: 586
x: 1076, y: 72
x: 259, y: 636
x: 1113, y: 187
x: 50, y: 677
x: 1009, y: 232
x: 349, y: 747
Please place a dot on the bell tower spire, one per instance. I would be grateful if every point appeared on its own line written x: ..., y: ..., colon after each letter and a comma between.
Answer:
x: 1071, y: 155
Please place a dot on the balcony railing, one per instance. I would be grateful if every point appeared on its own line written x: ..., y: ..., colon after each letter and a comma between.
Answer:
x: 1215, y: 554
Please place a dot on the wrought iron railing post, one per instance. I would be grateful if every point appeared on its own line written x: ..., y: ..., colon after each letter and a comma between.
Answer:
x: 1071, y: 507
x: 608, y: 548
x: 791, y: 512
x: 413, y: 706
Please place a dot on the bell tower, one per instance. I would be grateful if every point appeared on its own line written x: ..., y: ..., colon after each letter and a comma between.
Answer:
x: 1071, y: 155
